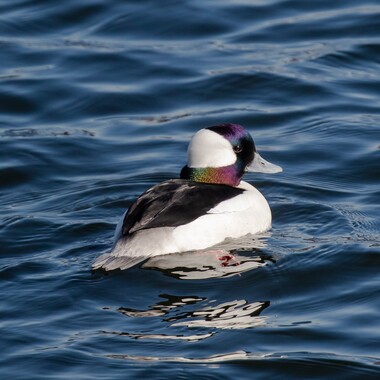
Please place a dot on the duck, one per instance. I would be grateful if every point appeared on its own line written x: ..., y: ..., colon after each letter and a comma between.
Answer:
x: 206, y: 205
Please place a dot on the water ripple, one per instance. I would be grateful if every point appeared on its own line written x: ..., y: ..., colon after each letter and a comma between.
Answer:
x: 98, y: 102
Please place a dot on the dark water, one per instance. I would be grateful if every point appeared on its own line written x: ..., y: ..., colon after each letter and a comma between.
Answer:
x: 98, y: 100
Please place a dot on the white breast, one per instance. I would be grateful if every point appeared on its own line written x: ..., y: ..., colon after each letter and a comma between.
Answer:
x: 248, y: 213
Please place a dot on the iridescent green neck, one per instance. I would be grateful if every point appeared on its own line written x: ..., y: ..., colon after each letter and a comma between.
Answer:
x: 226, y: 175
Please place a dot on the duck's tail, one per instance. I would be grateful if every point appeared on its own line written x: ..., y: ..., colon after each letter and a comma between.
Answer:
x: 109, y: 262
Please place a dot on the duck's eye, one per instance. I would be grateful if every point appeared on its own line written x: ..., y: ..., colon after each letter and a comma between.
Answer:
x: 237, y: 149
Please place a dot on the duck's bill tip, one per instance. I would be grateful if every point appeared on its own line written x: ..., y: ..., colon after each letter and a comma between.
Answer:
x: 259, y: 165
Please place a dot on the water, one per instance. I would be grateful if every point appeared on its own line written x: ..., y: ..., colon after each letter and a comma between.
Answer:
x: 98, y: 101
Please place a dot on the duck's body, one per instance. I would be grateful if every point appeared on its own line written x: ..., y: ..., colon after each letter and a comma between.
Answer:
x: 207, y: 205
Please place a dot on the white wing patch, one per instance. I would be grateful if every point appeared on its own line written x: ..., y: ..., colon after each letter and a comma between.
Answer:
x: 241, y: 202
x: 236, y: 204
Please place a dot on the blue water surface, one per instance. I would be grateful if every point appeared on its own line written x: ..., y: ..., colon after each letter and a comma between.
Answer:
x: 98, y: 101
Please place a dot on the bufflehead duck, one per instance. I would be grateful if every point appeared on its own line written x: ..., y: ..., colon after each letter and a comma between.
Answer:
x: 208, y: 204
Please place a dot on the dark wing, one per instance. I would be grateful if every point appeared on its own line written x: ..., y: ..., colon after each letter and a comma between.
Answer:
x: 173, y: 203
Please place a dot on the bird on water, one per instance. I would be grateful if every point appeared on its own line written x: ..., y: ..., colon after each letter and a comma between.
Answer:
x: 208, y: 203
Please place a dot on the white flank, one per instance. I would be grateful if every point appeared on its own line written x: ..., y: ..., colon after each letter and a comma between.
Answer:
x: 247, y: 213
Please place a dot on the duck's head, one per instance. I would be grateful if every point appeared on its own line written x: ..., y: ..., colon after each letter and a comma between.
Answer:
x: 221, y: 154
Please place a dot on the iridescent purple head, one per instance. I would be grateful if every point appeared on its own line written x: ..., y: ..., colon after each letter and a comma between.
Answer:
x: 231, y: 132
x: 241, y: 141
x: 221, y: 154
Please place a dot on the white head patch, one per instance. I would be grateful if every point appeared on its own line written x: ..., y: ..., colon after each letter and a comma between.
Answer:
x: 209, y: 149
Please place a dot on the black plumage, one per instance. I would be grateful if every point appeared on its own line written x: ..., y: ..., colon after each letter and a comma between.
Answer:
x: 174, y: 203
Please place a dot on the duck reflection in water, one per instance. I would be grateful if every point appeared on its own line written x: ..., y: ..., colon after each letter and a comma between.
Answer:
x: 191, y: 311
x: 212, y: 263
x: 194, y: 311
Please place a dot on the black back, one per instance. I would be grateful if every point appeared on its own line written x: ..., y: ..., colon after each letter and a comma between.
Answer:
x: 173, y: 203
